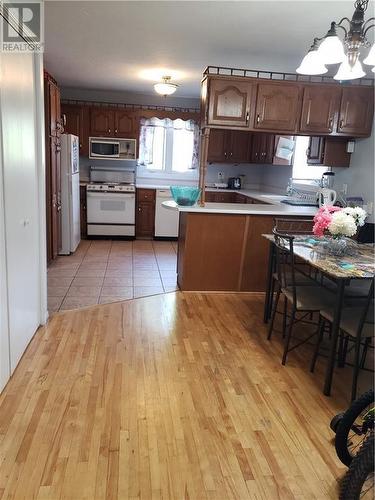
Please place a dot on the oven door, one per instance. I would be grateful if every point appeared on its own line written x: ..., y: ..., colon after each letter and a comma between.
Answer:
x: 104, y: 149
x: 110, y: 208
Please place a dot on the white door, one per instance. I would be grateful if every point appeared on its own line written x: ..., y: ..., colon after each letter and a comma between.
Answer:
x: 20, y: 191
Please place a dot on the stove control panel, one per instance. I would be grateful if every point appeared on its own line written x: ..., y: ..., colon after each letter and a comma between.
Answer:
x: 111, y: 188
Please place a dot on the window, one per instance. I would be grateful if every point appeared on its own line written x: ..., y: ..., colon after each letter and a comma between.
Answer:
x: 168, y: 146
x: 301, y: 170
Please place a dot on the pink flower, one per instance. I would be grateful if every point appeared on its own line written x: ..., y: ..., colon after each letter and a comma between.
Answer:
x: 323, y: 218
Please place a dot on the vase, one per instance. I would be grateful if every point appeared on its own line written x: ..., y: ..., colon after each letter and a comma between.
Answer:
x: 339, y: 246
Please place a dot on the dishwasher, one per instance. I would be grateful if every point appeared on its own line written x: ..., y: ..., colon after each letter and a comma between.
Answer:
x: 166, y: 220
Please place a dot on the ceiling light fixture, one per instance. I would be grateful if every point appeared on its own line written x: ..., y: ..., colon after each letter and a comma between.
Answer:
x: 165, y: 88
x: 333, y: 51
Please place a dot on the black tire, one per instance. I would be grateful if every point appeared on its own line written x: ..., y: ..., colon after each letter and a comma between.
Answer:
x: 345, y: 425
x: 362, y: 466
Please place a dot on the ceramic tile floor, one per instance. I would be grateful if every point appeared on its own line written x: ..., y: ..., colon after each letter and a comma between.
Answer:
x: 103, y: 271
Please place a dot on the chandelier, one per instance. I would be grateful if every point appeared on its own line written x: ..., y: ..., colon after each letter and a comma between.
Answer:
x: 331, y: 50
x: 166, y: 87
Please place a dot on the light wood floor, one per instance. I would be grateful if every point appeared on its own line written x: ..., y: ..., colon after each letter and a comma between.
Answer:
x: 176, y: 396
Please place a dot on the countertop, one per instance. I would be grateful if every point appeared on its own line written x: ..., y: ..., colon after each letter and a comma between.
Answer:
x: 276, y: 208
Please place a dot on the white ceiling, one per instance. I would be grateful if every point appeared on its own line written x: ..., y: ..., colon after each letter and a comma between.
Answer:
x: 115, y: 45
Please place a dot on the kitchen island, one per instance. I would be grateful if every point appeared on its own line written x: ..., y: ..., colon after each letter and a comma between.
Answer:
x: 220, y: 245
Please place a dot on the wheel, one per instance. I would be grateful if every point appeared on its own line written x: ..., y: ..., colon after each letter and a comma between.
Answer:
x: 354, y: 427
x: 358, y: 482
x: 335, y: 422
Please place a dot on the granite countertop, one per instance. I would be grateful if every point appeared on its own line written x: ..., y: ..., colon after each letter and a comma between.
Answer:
x: 276, y: 208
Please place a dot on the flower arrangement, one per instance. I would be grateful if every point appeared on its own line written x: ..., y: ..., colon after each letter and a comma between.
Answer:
x: 337, y: 221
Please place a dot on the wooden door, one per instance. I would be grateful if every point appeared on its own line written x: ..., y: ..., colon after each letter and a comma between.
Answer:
x: 277, y: 106
x: 256, y: 148
x: 124, y: 124
x: 239, y: 150
x: 102, y: 122
x: 262, y: 148
x: 315, y: 151
x: 230, y: 102
x: 217, y: 146
x: 145, y: 219
x: 320, y: 108
x: 335, y: 154
x: 356, y: 111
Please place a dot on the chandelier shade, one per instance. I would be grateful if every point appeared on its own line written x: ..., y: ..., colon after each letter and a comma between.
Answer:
x: 166, y: 87
x: 330, y: 49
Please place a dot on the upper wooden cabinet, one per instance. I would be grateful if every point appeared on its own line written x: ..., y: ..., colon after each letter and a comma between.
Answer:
x: 229, y: 146
x: 102, y: 122
x: 328, y: 151
x: 230, y: 102
x: 262, y: 148
x: 356, y: 111
x: 277, y: 106
x: 320, y: 109
x: 77, y: 123
x: 287, y: 107
x: 124, y: 125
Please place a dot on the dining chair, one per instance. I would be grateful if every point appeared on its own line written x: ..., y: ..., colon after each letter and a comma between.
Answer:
x: 304, y: 273
x: 303, y: 298
x: 356, y: 325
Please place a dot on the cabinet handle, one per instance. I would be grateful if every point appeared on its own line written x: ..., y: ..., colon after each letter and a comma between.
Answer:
x: 225, y: 154
x: 247, y: 117
x: 115, y: 130
x: 139, y: 209
x: 231, y: 154
x: 330, y: 123
x: 109, y: 130
x: 258, y: 118
x: 308, y: 152
x: 341, y: 122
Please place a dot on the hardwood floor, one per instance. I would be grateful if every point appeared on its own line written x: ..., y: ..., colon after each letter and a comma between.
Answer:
x: 175, y: 396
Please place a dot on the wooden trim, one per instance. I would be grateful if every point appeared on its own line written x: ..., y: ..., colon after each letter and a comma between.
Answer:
x: 241, y: 73
x: 205, y: 135
x: 133, y: 107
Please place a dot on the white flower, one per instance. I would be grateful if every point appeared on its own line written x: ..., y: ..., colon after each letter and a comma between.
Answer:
x: 342, y: 224
x: 358, y: 214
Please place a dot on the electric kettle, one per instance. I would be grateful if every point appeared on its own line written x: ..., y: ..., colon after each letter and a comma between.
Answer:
x: 326, y: 197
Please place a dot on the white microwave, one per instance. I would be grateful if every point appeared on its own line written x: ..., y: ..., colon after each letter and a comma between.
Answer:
x: 112, y: 149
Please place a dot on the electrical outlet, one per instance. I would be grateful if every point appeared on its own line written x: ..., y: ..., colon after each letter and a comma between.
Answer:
x: 220, y: 176
x: 345, y: 189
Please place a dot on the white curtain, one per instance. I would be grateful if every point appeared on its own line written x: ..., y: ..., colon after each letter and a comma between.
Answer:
x: 148, y: 127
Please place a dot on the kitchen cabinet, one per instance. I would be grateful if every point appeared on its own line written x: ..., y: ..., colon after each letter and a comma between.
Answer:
x: 231, y: 102
x: 102, y: 122
x: 220, y: 197
x: 356, y: 111
x: 328, y: 151
x: 229, y: 146
x: 145, y: 212
x: 124, y: 125
x: 277, y: 106
x: 77, y: 123
x: 53, y: 129
x: 320, y: 108
x: 240, y: 198
x: 83, y: 211
x: 262, y: 148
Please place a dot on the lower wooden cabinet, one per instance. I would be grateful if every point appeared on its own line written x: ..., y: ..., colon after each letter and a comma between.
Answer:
x: 220, y: 197
x: 83, y: 211
x: 145, y: 213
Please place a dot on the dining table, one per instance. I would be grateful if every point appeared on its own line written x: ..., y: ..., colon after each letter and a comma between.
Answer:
x: 358, y: 264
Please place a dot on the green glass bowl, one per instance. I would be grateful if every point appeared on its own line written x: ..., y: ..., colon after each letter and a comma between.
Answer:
x: 185, y: 196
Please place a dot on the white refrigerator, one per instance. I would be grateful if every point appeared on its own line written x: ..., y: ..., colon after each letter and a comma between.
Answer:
x: 70, y: 205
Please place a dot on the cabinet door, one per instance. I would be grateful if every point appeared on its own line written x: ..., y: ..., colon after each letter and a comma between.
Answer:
x: 217, y: 145
x: 320, y: 107
x: 76, y: 124
x: 335, y: 154
x: 240, y: 198
x: 145, y: 219
x: 315, y: 151
x: 210, y: 196
x: 256, y: 148
x: 239, y: 149
x: 262, y: 148
x: 102, y: 122
x: 225, y: 197
x: 230, y: 102
x: 124, y: 124
x: 356, y: 111
x: 277, y: 106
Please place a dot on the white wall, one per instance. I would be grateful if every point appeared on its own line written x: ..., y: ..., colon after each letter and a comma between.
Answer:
x: 22, y: 226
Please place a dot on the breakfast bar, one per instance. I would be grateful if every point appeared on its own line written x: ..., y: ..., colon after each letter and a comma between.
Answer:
x: 220, y: 245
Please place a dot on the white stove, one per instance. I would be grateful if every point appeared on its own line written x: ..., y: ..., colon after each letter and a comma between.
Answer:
x: 111, y: 203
